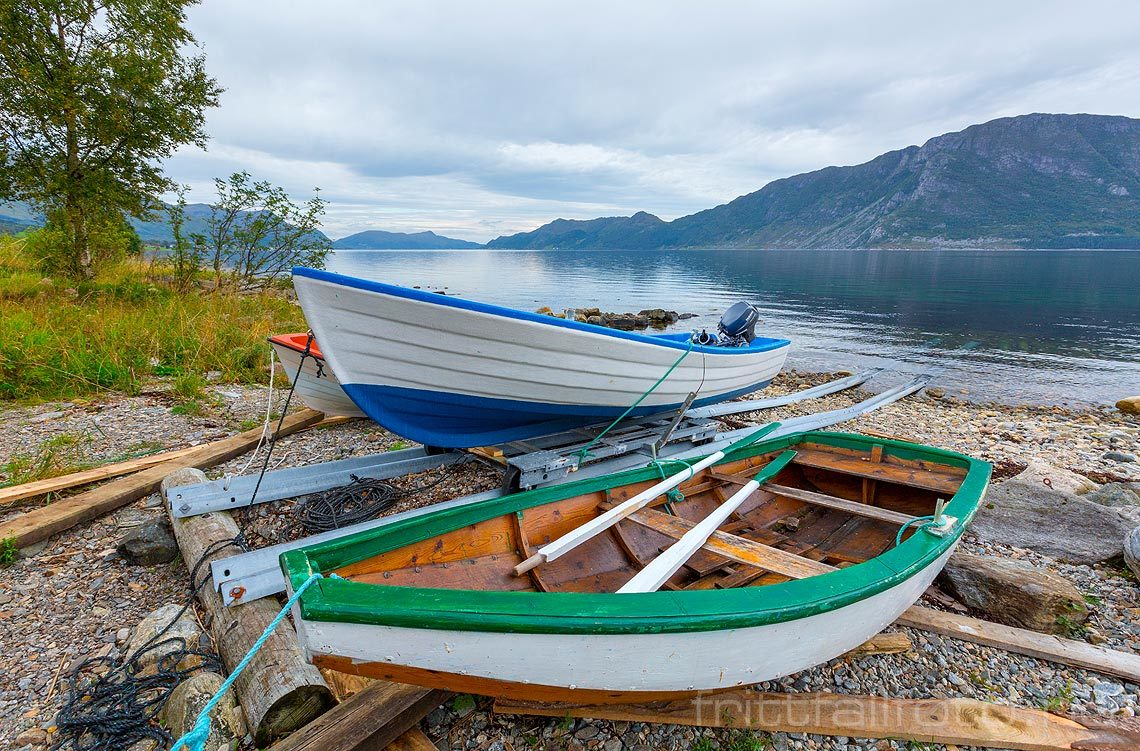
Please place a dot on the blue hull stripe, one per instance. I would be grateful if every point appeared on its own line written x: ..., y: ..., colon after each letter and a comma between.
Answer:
x: 437, y: 418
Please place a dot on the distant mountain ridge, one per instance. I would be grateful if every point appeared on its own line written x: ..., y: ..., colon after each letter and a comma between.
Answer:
x: 1037, y: 180
x: 375, y: 239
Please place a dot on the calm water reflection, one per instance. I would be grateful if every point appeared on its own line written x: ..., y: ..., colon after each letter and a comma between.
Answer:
x: 1049, y: 326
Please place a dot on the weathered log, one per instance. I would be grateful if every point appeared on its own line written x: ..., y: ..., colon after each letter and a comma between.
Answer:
x: 190, y: 697
x: 279, y: 691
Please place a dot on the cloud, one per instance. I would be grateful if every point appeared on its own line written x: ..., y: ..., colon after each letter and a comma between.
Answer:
x: 483, y: 119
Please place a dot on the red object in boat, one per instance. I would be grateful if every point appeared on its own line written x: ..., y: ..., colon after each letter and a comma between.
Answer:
x: 297, y: 343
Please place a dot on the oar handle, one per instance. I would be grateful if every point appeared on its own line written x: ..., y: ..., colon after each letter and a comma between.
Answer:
x: 533, y: 562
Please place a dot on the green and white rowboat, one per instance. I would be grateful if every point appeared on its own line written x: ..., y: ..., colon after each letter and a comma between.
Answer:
x: 780, y: 555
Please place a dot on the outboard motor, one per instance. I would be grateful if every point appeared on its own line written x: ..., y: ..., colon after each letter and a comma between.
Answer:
x: 738, y: 324
x: 705, y: 339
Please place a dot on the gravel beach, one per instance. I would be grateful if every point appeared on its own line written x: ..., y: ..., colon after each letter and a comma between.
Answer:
x: 74, y: 596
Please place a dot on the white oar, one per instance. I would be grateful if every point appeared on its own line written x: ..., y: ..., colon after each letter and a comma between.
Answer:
x: 579, y: 535
x: 650, y: 578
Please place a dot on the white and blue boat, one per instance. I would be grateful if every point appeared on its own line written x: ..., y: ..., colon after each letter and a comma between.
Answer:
x: 454, y: 373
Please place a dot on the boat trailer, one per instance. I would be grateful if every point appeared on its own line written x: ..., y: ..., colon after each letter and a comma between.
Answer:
x: 538, y: 462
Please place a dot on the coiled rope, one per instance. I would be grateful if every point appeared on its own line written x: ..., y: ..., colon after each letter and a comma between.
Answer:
x: 116, y: 710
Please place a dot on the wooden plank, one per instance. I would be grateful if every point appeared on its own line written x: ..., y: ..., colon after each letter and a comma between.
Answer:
x: 41, y: 523
x: 1044, y: 646
x: 413, y: 739
x: 735, y: 548
x: 11, y: 495
x: 942, y: 480
x: 960, y: 721
x: 367, y: 721
x: 886, y: 643
x: 840, y: 504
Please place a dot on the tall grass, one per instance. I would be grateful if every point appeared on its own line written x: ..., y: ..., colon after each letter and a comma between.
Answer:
x: 125, y: 328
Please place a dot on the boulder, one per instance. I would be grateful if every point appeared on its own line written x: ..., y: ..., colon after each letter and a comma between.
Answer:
x: 1132, y: 551
x: 1015, y: 593
x: 185, y: 628
x: 227, y: 725
x: 1129, y: 405
x: 1118, y: 494
x: 1040, y: 510
x: 150, y: 543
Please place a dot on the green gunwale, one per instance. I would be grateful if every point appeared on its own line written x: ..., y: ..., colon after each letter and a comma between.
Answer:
x: 603, y: 613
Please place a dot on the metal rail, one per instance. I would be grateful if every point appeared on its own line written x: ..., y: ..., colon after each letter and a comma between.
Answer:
x: 235, y: 492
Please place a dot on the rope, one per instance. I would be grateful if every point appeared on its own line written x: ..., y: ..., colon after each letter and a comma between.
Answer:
x: 117, y: 710
x: 928, y: 522
x: 264, y: 425
x: 362, y: 499
x: 195, y: 740
x: 284, y: 412
x: 585, y: 452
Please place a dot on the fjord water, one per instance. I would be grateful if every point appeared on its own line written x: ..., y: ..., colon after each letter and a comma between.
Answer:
x: 1042, y: 326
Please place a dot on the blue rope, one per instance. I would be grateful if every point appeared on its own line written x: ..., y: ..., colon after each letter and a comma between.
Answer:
x: 929, y: 522
x: 195, y: 739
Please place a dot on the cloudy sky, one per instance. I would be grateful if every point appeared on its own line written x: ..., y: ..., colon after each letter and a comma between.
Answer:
x: 476, y: 119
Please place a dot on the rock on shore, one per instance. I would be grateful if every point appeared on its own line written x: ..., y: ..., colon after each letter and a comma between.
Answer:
x: 1015, y: 593
x: 1043, y: 509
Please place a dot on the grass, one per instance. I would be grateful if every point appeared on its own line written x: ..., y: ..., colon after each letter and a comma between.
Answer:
x: 125, y: 328
x: 736, y: 740
x: 8, y: 551
x: 56, y: 456
x: 1060, y: 701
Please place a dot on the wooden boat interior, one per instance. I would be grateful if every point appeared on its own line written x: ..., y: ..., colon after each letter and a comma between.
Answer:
x: 831, y: 507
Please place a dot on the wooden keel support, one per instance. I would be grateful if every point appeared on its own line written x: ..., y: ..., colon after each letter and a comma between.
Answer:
x: 368, y: 721
x: 1044, y: 646
x: 966, y: 722
x: 279, y: 691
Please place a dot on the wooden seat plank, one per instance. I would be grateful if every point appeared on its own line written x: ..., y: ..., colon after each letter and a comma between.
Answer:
x: 840, y: 504
x: 735, y: 548
x: 938, y: 479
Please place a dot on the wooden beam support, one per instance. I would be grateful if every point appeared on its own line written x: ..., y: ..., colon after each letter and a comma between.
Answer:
x: 41, y: 523
x: 16, y: 493
x: 966, y: 722
x: 1044, y: 646
x: 367, y: 721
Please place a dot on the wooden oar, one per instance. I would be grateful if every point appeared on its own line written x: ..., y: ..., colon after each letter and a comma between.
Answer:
x: 650, y: 578
x: 579, y: 535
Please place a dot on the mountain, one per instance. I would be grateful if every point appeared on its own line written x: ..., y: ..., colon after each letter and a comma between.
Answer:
x: 375, y: 239
x: 15, y: 217
x: 1037, y: 180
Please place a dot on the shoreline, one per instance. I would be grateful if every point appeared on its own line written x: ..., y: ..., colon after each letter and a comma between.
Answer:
x: 73, y: 595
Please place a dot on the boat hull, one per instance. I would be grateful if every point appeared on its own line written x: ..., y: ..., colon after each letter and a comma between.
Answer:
x: 317, y: 386
x: 607, y: 668
x: 452, y: 373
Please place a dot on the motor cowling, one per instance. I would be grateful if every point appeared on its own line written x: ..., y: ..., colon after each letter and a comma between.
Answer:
x: 739, y: 322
